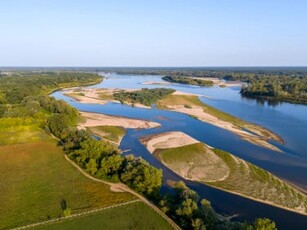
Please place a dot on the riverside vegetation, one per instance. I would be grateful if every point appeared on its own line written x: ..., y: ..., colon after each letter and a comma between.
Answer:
x: 38, y: 155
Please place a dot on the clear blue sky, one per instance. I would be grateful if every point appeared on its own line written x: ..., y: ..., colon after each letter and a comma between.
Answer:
x: 153, y: 33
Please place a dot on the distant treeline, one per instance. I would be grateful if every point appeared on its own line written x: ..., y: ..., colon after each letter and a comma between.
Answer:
x: 280, y: 84
x: 280, y: 88
x: 188, y: 81
x: 15, y: 87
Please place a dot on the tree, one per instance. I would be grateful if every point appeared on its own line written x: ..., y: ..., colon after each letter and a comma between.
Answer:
x: 264, y: 224
x: 111, y: 165
x: 187, y: 208
x: 91, y: 166
x: 141, y: 176
x: 67, y: 212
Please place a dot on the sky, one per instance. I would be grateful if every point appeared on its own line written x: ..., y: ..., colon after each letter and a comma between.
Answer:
x: 153, y: 33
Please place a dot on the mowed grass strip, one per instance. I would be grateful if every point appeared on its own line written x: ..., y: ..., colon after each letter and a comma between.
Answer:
x: 131, y: 216
x: 223, y: 170
x: 35, y: 178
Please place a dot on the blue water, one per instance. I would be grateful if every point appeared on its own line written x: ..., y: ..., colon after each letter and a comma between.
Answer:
x: 287, y: 120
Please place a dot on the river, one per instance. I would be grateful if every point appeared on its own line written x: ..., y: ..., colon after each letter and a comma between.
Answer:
x: 287, y: 120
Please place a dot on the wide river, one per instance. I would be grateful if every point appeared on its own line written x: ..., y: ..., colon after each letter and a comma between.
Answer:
x: 287, y: 120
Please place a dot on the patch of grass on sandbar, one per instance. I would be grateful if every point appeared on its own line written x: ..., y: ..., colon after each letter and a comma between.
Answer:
x: 112, y: 133
x: 175, y: 100
x: 131, y: 216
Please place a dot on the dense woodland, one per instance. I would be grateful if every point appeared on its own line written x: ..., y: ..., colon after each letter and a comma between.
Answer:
x: 25, y: 101
x: 188, y: 81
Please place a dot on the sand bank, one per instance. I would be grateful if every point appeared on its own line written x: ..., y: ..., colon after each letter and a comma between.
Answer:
x: 167, y: 140
x: 97, y: 119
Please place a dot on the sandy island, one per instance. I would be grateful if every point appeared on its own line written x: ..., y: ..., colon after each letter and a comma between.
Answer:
x: 97, y: 119
x: 207, y: 167
x: 156, y: 83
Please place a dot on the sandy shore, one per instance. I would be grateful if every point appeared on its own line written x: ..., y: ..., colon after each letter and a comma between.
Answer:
x: 97, y: 119
x: 98, y: 96
x: 90, y: 96
x: 167, y: 140
x: 184, y: 93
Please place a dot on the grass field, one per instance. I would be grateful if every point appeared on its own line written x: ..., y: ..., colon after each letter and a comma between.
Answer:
x: 35, y: 178
x: 111, y: 133
x: 132, y: 216
x: 222, y: 170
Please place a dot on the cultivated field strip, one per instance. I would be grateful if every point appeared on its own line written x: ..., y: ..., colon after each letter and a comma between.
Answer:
x: 75, y: 215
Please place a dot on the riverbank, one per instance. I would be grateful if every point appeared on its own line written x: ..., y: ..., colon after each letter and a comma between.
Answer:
x: 221, y: 170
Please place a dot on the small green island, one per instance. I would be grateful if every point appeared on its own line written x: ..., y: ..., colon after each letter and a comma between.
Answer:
x: 145, y: 96
x: 188, y: 80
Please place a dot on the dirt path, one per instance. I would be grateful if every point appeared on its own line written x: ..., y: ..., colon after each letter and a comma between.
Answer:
x: 125, y: 188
